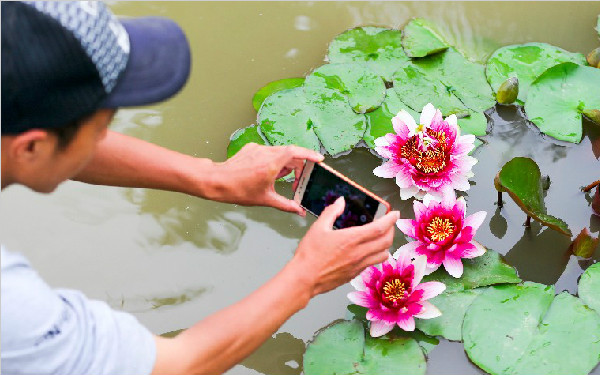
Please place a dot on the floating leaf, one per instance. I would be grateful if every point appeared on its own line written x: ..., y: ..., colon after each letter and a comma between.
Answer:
x: 273, y: 87
x: 508, y: 91
x: 420, y: 39
x: 593, y: 58
x: 584, y: 245
x: 380, y: 120
x: 476, y: 123
x: 558, y: 98
x: 364, y: 89
x: 525, y: 62
x: 342, y: 348
x: 589, y: 287
x: 381, y: 48
x: 243, y: 136
x: 525, y: 329
x: 593, y: 115
x: 521, y: 178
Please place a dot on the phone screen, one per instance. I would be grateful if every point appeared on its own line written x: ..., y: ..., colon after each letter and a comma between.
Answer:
x: 324, y: 187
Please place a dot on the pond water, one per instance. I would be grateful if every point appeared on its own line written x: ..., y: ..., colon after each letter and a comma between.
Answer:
x: 172, y: 259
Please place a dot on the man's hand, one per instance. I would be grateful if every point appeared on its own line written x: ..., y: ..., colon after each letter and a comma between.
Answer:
x: 329, y: 258
x: 248, y: 178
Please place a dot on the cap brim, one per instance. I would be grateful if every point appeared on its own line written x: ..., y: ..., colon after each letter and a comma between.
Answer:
x: 158, y: 65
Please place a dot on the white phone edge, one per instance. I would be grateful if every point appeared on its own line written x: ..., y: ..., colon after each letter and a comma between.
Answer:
x: 304, y: 177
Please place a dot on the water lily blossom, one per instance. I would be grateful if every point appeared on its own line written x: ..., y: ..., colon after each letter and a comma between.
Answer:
x: 394, y: 295
x: 443, y: 234
x: 428, y: 160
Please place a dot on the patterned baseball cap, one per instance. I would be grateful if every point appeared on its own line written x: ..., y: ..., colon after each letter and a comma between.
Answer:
x: 63, y: 60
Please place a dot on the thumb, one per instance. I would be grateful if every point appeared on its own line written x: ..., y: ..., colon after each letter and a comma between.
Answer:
x: 332, y: 212
x: 281, y: 203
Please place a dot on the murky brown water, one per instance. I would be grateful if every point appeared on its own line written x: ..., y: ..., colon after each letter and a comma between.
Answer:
x: 172, y: 259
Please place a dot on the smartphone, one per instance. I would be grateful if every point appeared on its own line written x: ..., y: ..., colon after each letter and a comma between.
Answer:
x: 320, y: 185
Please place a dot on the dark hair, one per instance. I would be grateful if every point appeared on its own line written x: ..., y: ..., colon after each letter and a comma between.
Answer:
x: 66, y: 134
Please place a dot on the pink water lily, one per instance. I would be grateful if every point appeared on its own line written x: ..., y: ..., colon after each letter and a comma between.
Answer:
x: 393, y: 294
x: 428, y: 160
x: 443, y: 234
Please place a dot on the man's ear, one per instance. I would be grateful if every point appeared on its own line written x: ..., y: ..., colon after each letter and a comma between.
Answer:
x: 32, y: 145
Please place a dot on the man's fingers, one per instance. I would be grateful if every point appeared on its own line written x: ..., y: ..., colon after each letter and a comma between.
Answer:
x: 378, y: 257
x: 331, y: 212
x: 376, y: 228
x: 281, y: 203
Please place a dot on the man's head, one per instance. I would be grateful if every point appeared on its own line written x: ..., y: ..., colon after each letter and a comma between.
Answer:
x: 66, y: 68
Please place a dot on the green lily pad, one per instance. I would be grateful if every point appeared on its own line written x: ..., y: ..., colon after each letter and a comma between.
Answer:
x: 478, y: 142
x: 342, y: 349
x: 525, y: 329
x: 522, y: 180
x: 380, y: 120
x: 476, y: 123
x: 589, y: 287
x: 462, y: 77
x: 416, y: 88
x: 364, y: 89
x: 338, y: 127
x: 380, y: 48
x: 584, y: 245
x: 526, y: 62
x: 558, y: 98
x: 488, y: 269
x: 243, y: 136
x: 273, y: 87
x: 420, y: 38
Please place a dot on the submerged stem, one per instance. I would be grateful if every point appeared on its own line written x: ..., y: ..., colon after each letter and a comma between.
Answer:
x: 500, y: 199
x: 528, y: 222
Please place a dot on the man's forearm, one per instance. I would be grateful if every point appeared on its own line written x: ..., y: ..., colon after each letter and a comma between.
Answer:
x: 220, y: 341
x: 126, y: 161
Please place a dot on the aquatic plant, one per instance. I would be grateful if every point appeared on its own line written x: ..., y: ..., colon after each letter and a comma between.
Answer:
x: 429, y: 160
x: 394, y: 294
x: 443, y: 233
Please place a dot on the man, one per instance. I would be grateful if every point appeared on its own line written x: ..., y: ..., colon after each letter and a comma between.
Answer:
x: 66, y: 68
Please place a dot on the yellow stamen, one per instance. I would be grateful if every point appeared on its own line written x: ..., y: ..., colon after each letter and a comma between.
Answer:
x: 430, y: 160
x: 394, y: 290
x: 439, y: 229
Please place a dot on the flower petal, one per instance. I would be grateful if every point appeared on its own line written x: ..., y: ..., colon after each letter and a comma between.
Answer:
x: 475, y: 251
x: 380, y: 328
x: 362, y: 299
x: 389, y: 169
x: 381, y: 142
x: 427, y: 114
x: 404, y: 179
x: 429, y: 311
x: 408, y: 192
x: 474, y: 221
x: 403, y: 120
x: 407, y: 226
x: 405, y: 254
x: 420, y: 263
x: 454, y: 266
x: 431, y: 289
x: 406, y: 322
x: 358, y: 283
x: 452, y: 120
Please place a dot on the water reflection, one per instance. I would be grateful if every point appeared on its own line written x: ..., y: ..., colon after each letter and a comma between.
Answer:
x: 279, y: 355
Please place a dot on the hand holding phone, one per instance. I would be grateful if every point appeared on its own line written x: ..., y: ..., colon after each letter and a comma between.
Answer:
x: 320, y: 185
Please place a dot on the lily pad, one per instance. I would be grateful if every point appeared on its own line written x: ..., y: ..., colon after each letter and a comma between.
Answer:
x: 243, y: 136
x: 380, y: 48
x: 526, y: 62
x: 273, y: 87
x: 462, y: 77
x: 476, y: 123
x: 420, y: 38
x: 558, y: 98
x: 380, y: 120
x: 525, y: 329
x: 584, y: 245
x: 521, y: 178
x: 342, y: 349
x: 589, y: 287
x: 364, y: 89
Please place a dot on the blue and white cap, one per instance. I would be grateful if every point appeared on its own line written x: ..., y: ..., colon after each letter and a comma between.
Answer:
x: 62, y: 60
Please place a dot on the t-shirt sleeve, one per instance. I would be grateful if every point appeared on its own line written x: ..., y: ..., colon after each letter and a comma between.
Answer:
x: 46, y: 331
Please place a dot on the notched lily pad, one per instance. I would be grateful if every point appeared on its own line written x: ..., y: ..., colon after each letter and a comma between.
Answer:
x: 243, y: 136
x: 476, y: 123
x: 380, y: 120
x: 589, y: 287
x: 380, y: 48
x: 525, y: 329
x: 525, y: 62
x: 522, y: 180
x: 342, y: 348
x: 558, y: 98
x: 420, y: 38
x: 584, y: 245
x: 364, y: 89
x: 273, y: 87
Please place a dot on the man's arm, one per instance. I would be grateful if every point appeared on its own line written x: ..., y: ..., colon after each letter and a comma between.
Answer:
x: 325, y: 259
x: 247, y: 178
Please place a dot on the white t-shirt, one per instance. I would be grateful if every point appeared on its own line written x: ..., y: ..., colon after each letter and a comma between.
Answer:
x: 59, y: 331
